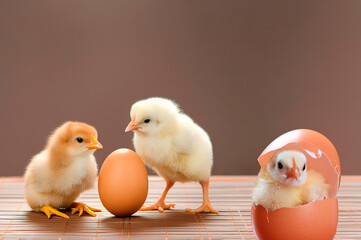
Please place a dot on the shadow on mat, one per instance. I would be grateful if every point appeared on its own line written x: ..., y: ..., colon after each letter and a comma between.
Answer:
x: 154, y: 221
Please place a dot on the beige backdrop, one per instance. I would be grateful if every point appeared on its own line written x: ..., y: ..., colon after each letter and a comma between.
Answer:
x: 247, y: 71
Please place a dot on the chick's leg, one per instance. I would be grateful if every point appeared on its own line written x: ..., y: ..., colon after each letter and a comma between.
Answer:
x: 206, y: 203
x: 80, y: 207
x: 160, y: 205
x: 50, y: 211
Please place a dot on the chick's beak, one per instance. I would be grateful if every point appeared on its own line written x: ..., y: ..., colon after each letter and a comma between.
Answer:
x: 132, y: 126
x: 294, y: 172
x: 95, y: 144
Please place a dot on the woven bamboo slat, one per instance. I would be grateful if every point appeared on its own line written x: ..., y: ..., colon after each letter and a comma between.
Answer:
x: 231, y: 196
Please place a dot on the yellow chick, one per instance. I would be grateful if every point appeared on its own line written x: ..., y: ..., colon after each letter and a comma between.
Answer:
x: 56, y: 176
x: 173, y: 145
x: 287, y: 183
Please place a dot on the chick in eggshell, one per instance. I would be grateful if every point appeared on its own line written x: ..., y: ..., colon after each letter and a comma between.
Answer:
x: 287, y: 182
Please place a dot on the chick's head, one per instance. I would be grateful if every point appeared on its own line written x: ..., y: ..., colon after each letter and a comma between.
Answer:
x: 153, y: 116
x: 76, y: 138
x: 288, y: 167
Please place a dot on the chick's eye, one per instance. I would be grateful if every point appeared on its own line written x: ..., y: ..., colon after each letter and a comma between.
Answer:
x: 304, y: 167
x: 79, y: 139
x: 280, y: 166
x: 146, y: 120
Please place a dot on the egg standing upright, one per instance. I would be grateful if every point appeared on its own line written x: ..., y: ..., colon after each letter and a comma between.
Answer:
x: 173, y: 145
x: 56, y: 176
x: 123, y: 183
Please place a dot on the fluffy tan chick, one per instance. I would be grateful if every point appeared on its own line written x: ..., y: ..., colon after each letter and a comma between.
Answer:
x: 173, y: 145
x: 56, y: 176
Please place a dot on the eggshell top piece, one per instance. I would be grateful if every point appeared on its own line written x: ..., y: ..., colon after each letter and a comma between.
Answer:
x: 320, y: 152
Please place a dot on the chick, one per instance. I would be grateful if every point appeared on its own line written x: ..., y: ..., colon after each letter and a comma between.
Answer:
x: 287, y: 183
x: 173, y: 145
x: 56, y: 176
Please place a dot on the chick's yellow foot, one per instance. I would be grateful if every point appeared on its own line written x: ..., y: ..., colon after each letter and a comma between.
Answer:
x: 203, y: 208
x: 50, y: 211
x: 80, y: 207
x: 160, y: 206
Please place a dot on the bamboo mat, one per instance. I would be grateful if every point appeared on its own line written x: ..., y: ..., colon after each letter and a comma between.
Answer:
x: 229, y: 195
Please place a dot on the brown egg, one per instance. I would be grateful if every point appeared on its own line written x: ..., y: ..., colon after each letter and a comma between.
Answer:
x: 123, y: 183
x: 315, y: 220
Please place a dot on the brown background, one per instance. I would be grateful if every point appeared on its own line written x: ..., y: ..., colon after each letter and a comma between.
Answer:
x: 247, y: 71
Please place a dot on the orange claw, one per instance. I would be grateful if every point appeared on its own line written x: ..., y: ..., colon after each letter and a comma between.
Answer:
x: 50, y: 211
x: 80, y: 207
x: 160, y: 205
x: 206, y: 206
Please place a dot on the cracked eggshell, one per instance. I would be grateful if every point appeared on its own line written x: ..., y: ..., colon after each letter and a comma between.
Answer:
x: 123, y: 183
x: 315, y: 220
